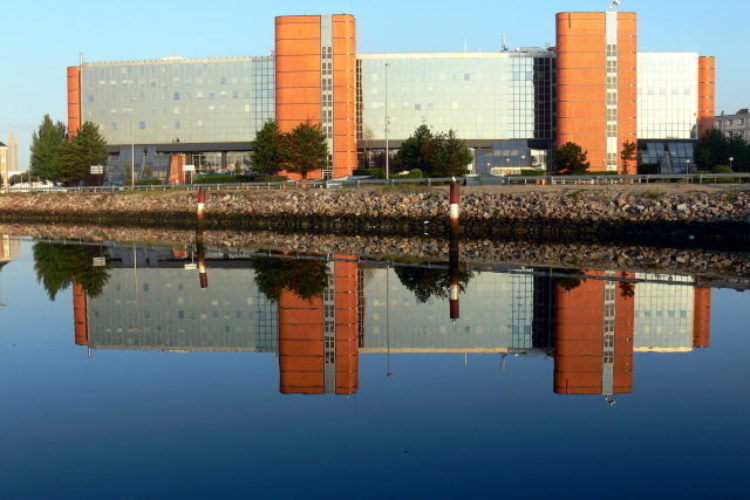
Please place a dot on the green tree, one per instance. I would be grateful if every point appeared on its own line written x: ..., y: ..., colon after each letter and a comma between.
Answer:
x: 306, y: 149
x: 269, y: 149
x: 570, y: 159
x: 58, y: 265
x: 712, y: 149
x: 450, y: 156
x: 304, y: 278
x: 45, y: 144
x: 426, y: 282
x: 628, y: 154
x: 415, y: 151
x: 75, y: 157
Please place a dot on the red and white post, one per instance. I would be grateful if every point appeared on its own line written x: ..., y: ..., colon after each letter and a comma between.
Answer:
x: 454, y: 199
x: 201, y: 203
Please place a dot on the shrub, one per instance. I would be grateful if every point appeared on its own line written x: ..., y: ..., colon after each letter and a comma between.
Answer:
x: 722, y: 169
x: 222, y: 179
x: 148, y: 182
x: 272, y: 178
x: 409, y: 174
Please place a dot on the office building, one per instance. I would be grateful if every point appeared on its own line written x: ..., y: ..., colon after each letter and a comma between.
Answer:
x: 511, y: 107
x: 3, y: 165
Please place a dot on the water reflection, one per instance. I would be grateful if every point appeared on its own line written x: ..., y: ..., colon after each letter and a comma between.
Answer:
x: 319, y: 314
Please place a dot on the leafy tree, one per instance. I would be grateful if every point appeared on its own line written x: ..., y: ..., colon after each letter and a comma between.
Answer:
x: 415, y: 151
x: 306, y: 149
x: 570, y: 159
x: 58, y: 265
x: 305, y: 278
x: 426, y: 282
x: 75, y: 157
x: 450, y: 156
x: 712, y: 149
x: 628, y: 154
x: 269, y: 149
x: 45, y: 144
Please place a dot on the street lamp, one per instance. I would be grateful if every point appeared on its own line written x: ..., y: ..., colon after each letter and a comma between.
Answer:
x: 687, y: 163
x: 387, y: 124
x: 132, y: 144
x: 731, y: 159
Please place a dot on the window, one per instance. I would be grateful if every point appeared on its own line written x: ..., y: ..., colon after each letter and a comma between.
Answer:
x: 176, y: 96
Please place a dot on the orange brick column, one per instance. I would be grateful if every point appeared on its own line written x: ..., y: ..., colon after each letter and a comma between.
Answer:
x: 316, y: 82
x: 80, y: 314
x: 586, y: 91
x: 702, y: 317
x: 75, y: 112
x: 706, y: 94
x: 301, y: 348
x: 347, y: 299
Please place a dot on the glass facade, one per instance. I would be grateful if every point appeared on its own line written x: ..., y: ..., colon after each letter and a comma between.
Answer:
x: 497, y: 313
x: 179, y: 100
x: 667, y: 95
x: 504, y: 95
x: 664, y: 314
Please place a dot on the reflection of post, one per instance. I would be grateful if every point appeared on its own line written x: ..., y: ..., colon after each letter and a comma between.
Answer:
x: 701, y: 317
x: 200, y: 250
x: 80, y: 314
x: 455, y: 275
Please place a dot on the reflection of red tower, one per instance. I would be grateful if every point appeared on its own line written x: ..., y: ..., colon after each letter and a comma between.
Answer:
x: 80, y: 314
x: 594, y: 353
x: 702, y: 317
x: 319, y: 338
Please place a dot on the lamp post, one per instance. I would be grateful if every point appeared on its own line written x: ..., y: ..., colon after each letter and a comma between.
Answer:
x: 731, y: 160
x: 132, y: 144
x: 687, y: 163
x: 387, y: 125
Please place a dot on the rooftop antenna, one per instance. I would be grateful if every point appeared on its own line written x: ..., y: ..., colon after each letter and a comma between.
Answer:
x: 615, y: 4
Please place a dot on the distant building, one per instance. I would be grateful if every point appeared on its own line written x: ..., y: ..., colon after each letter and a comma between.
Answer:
x: 4, y: 164
x: 737, y: 124
x: 12, y: 154
x: 511, y: 107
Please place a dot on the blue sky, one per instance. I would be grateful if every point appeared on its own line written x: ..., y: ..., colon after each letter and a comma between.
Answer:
x: 39, y: 39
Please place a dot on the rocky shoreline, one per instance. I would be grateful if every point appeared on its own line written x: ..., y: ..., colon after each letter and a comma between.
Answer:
x: 685, y: 215
x: 722, y: 265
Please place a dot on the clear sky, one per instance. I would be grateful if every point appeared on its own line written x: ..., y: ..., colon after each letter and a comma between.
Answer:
x: 40, y: 39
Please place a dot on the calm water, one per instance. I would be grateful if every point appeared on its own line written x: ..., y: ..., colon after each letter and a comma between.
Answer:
x: 121, y: 377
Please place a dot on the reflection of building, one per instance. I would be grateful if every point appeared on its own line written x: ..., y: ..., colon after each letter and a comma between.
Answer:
x: 671, y: 318
x: 510, y: 105
x: 594, y: 343
x: 10, y: 248
x: 590, y: 323
x: 319, y: 337
x: 164, y: 308
x: 496, y: 317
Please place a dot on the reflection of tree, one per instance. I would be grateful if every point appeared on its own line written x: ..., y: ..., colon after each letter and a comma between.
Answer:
x: 426, y: 282
x: 569, y: 282
x: 58, y: 265
x: 305, y: 278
